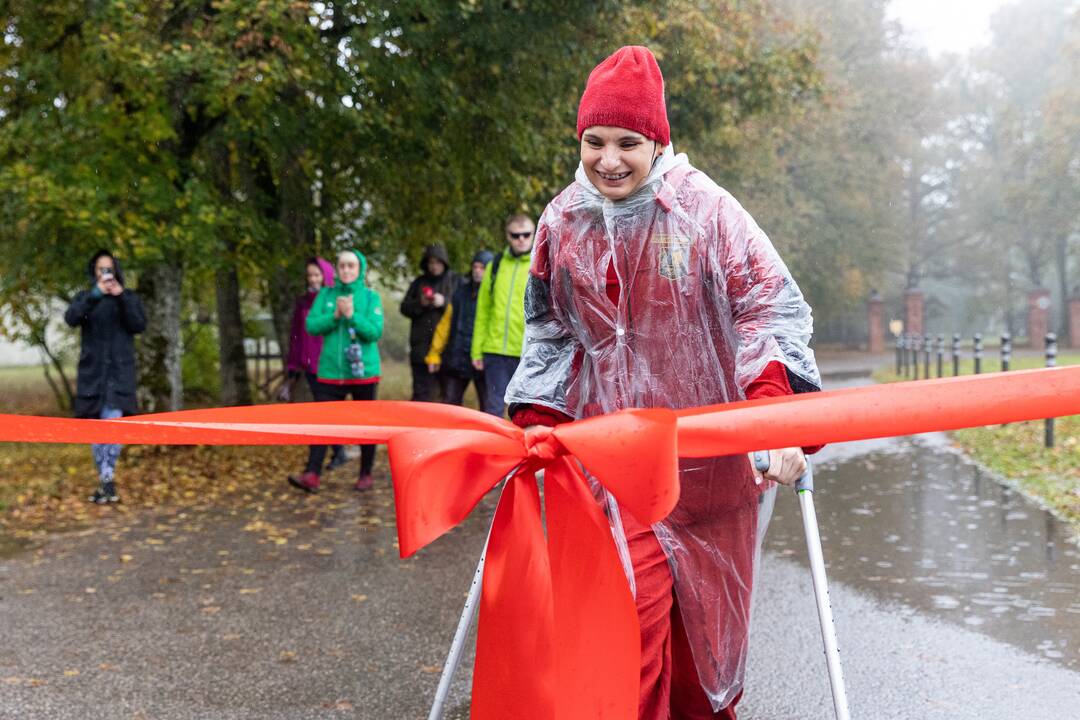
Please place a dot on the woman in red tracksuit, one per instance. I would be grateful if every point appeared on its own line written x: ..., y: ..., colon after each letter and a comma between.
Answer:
x: 651, y: 286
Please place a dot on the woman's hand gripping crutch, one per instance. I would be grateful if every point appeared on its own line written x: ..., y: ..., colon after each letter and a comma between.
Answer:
x: 782, y: 466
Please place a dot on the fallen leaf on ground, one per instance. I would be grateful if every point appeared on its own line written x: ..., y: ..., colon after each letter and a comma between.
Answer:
x: 339, y: 705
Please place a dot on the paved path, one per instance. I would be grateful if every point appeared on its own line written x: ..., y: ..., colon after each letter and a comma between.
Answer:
x: 208, y: 616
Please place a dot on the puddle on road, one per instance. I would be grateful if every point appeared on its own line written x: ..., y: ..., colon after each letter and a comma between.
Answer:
x: 921, y: 525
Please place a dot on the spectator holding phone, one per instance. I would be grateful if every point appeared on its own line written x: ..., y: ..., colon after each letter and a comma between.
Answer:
x: 108, y: 316
x: 424, y: 303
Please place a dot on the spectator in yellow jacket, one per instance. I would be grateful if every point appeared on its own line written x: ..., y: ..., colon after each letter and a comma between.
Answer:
x: 500, y: 312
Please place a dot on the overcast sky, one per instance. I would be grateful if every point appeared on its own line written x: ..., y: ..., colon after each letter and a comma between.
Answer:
x: 946, y: 25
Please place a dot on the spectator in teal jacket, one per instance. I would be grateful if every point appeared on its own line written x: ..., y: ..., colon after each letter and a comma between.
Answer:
x: 349, y: 317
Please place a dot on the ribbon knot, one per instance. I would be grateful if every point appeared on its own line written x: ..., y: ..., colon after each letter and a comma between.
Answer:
x: 541, y: 444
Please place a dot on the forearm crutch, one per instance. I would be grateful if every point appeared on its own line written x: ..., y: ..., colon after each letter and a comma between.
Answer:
x: 453, y: 658
x: 805, y: 490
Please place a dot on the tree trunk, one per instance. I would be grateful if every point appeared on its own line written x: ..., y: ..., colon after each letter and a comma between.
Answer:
x: 296, y: 215
x: 1061, y: 249
x: 232, y: 364
x: 1008, y: 309
x: 159, y: 348
x: 39, y: 336
x: 282, y: 289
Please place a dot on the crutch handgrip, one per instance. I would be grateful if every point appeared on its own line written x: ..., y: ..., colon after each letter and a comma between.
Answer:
x: 805, y: 482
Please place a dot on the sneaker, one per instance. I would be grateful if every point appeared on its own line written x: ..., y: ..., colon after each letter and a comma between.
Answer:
x: 308, y: 482
x: 366, y: 482
x: 105, y: 494
x: 337, y: 461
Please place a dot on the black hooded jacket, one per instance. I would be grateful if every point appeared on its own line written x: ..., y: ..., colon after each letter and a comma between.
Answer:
x: 108, y: 324
x: 425, y: 318
x: 456, y: 358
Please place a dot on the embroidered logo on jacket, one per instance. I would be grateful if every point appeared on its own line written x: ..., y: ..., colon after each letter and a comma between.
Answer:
x: 674, y: 256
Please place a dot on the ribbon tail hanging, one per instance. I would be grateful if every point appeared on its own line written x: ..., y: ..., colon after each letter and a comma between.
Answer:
x: 515, y: 674
x: 596, y: 633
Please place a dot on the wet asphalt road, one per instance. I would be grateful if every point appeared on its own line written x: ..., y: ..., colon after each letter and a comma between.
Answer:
x: 210, y: 615
x: 212, y: 618
x: 926, y: 628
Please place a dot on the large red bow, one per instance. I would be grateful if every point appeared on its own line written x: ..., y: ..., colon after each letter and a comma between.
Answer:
x: 558, y: 634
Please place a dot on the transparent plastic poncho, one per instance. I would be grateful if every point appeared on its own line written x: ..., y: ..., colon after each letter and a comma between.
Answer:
x: 705, y: 303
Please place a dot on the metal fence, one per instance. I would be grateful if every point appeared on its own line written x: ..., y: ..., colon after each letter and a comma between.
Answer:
x: 916, y: 354
x: 265, y: 364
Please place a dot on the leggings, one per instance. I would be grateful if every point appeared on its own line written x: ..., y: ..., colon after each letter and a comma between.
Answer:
x: 325, y: 392
x: 106, y: 454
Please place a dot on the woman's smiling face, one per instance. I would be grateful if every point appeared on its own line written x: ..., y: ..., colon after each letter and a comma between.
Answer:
x: 617, y: 160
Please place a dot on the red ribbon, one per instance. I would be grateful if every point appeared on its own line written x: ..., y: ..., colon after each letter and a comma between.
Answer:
x: 558, y: 634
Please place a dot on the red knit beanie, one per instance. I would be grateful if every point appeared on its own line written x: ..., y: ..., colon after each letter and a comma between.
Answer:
x: 627, y: 91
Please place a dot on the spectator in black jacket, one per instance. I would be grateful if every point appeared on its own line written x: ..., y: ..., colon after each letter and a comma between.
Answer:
x: 451, y: 345
x: 424, y: 304
x: 108, y: 316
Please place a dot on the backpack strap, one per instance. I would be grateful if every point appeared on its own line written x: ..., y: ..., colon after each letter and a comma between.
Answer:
x: 494, y: 270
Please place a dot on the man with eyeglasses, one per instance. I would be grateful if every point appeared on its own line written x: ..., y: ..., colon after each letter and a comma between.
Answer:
x: 500, y: 312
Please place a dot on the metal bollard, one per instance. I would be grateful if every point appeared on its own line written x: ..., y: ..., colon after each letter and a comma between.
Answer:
x: 928, y: 343
x: 916, y: 347
x: 899, y: 352
x: 1006, y: 351
x: 940, y: 354
x: 978, y: 353
x: 907, y: 355
x: 913, y: 354
x: 1051, y: 361
x: 956, y: 354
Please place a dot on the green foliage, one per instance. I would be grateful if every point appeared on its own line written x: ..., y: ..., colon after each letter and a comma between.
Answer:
x: 248, y: 135
x: 200, y: 364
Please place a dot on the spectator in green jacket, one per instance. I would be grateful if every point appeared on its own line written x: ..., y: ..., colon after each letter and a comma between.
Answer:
x: 349, y: 317
x: 500, y: 313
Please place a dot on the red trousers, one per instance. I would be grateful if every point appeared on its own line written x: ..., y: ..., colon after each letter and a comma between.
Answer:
x: 670, y: 689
